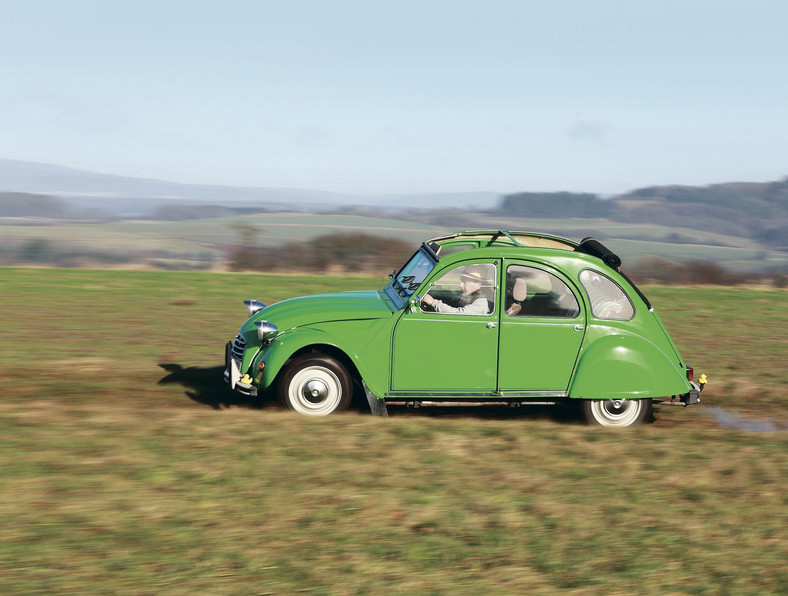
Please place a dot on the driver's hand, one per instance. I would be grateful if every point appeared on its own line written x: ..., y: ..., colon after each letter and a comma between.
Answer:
x: 427, y: 300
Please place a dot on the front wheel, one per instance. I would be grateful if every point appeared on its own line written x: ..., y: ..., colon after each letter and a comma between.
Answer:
x: 616, y: 412
x: 316, y: 385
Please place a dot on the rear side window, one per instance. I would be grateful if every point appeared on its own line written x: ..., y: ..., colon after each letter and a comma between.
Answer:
x: 608, y: 300
x: 532, y: 292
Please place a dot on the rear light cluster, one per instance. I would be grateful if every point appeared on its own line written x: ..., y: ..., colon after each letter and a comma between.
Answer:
x: 690, y: 374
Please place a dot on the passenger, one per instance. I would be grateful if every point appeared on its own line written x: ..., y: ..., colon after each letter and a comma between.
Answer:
x: 519, y: 294
x: 473, y: 300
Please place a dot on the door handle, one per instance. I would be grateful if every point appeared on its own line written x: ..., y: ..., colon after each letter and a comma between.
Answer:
x: 490, y: 325
x: 578, y: 327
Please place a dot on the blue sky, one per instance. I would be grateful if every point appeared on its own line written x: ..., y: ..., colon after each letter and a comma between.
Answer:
x: 415, y: 96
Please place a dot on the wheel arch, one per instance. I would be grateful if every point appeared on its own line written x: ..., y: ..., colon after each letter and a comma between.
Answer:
x: 277, y: 362
x: 327, y: 350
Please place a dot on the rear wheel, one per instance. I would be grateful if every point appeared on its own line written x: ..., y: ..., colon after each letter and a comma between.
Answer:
x: 315, y: 385
x: 616, y: 412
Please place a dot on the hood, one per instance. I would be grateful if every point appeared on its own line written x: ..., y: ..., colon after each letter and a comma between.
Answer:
x: 323, y: 308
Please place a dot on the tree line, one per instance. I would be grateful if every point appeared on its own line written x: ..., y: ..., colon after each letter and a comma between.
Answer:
x: 341, y: 252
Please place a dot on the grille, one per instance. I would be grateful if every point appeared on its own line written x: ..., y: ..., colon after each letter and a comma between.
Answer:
x: 239, y: 345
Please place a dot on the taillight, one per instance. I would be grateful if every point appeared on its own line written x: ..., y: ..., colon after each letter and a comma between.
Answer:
x: 690, y: 373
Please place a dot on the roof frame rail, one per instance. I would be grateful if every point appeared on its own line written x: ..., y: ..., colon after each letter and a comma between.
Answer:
x: 500, y: 233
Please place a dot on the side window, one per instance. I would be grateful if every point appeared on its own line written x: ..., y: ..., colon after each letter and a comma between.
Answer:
x: 468, y: 289
x: 608, y: 300
x: 532, y: 292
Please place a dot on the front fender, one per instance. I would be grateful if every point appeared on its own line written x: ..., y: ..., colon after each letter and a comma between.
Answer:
x: 280, y: 350
x: 622, y: 365
x: 352, y: 339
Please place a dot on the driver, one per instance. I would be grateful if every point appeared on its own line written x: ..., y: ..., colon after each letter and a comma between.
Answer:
x: 473, y: 300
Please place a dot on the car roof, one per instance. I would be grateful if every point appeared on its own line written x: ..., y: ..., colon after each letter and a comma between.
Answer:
x: 488, y: 239
x: 485, y: 238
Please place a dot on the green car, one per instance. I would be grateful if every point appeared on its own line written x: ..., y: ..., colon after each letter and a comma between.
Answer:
x: 474, y: 317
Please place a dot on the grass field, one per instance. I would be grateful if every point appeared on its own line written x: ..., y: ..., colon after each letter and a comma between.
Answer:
x: 128, y: 468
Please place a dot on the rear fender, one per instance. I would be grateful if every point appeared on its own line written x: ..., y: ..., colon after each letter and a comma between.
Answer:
x: 625, y: 366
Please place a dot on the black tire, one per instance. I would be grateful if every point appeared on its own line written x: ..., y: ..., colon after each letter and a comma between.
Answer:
x: 616, y: 412
x: 315, y: 385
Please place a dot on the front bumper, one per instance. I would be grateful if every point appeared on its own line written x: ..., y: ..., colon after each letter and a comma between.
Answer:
x: 232, y: 373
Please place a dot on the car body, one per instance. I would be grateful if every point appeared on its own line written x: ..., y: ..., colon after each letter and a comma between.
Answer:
x: 474, y: 317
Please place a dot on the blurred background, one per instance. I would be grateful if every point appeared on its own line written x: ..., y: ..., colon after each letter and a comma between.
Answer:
x: 287, y: 136
x: 721, y: 234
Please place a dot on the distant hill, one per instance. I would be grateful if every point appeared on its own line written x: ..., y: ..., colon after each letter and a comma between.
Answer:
x: 123, y: 195
x: 758, y: 211
x: 23, y: 204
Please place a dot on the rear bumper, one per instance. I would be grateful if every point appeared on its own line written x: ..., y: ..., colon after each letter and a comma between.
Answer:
x: 688, y: 399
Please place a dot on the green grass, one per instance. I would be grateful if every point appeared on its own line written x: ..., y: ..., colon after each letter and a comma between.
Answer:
x: 128, y: 468
x: 737, y: 336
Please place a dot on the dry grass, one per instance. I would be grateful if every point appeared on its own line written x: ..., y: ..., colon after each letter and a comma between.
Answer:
x: 129, y: 469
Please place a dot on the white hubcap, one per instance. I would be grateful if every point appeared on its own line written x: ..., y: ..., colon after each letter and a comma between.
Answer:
x: 617, y: 412
x: 315, y: 390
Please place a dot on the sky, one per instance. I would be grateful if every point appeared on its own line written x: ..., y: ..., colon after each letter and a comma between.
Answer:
x: 366, y: 97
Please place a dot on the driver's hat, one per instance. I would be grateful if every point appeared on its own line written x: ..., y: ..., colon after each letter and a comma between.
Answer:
x: 473, y: 275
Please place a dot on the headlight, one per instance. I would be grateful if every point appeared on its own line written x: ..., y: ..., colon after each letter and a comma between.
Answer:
x: 254, y: 306
x: 266, y: 330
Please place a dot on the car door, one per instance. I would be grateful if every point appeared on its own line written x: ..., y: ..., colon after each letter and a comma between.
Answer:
x: 542, y: 328
x: 450, y: 348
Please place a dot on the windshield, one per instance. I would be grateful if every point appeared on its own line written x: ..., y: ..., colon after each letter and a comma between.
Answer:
x: 405, y: 282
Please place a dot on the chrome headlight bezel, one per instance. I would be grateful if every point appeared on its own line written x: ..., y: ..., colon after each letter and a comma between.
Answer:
x: 254, y: 306
x: 265, y: 330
